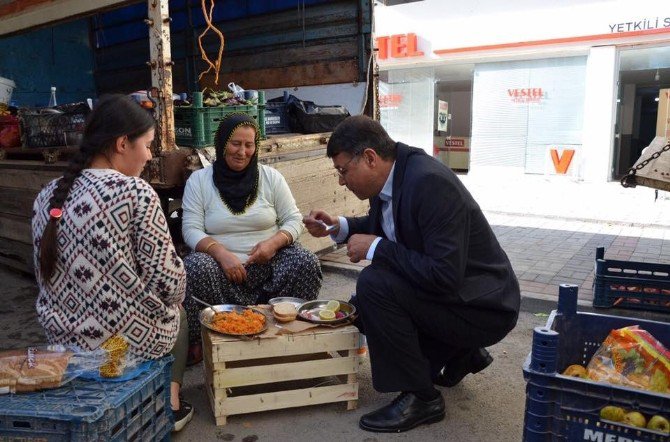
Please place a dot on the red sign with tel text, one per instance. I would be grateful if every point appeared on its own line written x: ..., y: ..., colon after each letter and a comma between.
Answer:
x: 398, y: 46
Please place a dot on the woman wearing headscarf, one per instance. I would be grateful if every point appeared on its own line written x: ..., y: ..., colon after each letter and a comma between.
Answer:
x: 242, y: 223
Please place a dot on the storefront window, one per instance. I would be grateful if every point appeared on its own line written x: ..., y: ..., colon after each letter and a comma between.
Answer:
x: 528, y: 115
x: 406, y: 106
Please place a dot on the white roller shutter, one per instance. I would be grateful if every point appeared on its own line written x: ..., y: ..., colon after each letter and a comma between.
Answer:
x: 522, y: 109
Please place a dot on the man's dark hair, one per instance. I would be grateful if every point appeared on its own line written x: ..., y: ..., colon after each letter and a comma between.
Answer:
x: 357, y: 133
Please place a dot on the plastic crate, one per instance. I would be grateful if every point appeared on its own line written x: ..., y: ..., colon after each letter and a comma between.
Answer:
x: 630, y: 284
x: 563, y: 408
x: 276, y: 118
x: 46, y: 129
x: 196, y: 126
x: 135, y: 410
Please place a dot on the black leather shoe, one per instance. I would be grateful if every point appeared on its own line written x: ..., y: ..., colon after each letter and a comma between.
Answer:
x: 403, y: 413
x: 454, y: 372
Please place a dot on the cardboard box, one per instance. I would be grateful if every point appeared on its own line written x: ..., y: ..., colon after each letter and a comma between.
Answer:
x: 663, y: 119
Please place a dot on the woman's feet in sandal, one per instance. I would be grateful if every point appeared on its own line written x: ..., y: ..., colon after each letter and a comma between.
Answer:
x: 182, y: 416
x: 194, y: 354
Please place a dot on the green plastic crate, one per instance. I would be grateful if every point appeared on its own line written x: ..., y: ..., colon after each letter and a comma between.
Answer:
x: 196, y: 126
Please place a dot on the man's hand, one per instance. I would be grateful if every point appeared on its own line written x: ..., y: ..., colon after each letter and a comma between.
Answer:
x: 262, y: 252
x: 231, y: 265
x: 316, y: 222
x: 358, y: 246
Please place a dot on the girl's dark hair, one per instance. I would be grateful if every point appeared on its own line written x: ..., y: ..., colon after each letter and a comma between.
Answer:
x: 112, y: 117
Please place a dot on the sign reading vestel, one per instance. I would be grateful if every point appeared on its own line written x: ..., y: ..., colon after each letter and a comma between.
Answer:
x: 397, y: 46
x: 526, y: 95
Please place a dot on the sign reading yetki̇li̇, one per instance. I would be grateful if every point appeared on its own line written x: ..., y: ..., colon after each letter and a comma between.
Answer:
x: 640, y: 25
x: 526, y: 95
x: 398, y: 46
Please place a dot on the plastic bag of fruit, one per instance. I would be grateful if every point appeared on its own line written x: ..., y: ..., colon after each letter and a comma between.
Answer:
x: 632, y: 357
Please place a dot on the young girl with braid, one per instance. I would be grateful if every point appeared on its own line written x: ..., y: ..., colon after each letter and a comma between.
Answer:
x: 104, y: 259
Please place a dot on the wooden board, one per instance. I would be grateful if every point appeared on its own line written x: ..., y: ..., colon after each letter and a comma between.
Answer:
x: 226, y: 348
x: 25, y: 174
x: 16, y: 228
x: 306, y: 74
x: 17, y: 255
x: 284, y: 399
x: 278, y: 372
x: 17, y: 201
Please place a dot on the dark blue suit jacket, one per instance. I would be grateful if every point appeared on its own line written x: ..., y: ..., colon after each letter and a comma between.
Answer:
x: 445, y: 245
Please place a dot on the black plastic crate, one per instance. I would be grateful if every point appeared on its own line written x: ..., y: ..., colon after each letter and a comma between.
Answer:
x: 59, y: 126
x: 564, y: 408
x: 630, y: 284
x: 276, y: 118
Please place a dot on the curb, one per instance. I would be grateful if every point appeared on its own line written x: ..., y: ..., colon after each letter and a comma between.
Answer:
x: 530, y: 302
x: 584, y: 220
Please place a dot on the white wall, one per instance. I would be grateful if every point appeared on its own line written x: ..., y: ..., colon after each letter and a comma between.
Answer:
x: 599, y: 113
x: 448, y: 24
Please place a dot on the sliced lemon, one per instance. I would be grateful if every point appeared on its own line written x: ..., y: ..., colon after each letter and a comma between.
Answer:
x: 333, y: 306
x: 326, y: 314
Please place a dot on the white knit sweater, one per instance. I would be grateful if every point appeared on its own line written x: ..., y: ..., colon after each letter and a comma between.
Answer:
x: 205, y: 214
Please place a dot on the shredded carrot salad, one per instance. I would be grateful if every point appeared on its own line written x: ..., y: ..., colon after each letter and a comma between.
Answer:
x: 246, y: 323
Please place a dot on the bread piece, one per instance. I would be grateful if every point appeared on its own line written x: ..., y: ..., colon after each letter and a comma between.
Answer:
x: 285, y: 309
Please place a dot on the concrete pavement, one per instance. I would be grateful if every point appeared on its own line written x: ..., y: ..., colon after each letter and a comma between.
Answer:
x: 550, y: 227
x: 547, y: 244
x: 488, y: 405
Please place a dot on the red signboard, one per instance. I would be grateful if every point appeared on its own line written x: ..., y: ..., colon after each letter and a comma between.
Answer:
x: 390, y: 100
x: 397, y: 46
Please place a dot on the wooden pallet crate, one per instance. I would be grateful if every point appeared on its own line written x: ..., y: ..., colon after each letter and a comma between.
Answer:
x: 314, y: 367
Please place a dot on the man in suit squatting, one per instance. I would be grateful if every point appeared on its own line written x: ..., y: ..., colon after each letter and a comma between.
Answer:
x: 439, y: 287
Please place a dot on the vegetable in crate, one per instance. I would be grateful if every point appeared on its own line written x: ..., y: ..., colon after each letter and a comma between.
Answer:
x: 576, y: 371
x: 632, y: 357
x: 224, y: 98
x: 659, y: 423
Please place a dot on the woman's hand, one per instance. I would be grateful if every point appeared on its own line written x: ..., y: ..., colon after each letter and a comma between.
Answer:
x: 231, y: 265
x: 263, y: 252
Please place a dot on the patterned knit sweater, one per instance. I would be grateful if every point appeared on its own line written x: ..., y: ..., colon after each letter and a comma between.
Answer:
x: 117, y: 270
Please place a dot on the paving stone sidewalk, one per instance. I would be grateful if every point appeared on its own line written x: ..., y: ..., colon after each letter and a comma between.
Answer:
x: 546, y: 252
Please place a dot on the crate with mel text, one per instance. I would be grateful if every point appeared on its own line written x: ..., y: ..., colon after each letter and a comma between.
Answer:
x: 566, y: 408
x: 87, y: 410
x: 313, y: 367
x: 630, y: 284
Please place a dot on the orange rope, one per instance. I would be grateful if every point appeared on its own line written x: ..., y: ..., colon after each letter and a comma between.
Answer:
x: 215, y: 66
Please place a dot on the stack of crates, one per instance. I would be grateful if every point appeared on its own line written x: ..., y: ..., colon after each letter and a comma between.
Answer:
x: 565, y: 408
x: 85, y: 410
x: 196, y: 125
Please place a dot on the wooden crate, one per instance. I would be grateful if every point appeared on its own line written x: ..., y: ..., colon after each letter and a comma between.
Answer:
x: 314, y: 367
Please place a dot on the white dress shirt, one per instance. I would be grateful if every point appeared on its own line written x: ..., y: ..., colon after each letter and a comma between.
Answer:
x: 386, y: 195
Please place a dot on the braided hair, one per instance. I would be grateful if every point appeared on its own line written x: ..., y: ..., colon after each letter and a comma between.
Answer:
x: 114, y: 116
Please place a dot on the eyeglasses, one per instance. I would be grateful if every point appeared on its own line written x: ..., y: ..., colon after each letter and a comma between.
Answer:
x: 341, y: 171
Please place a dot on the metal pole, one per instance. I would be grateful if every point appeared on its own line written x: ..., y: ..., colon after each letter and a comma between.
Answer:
x: 161, y: 73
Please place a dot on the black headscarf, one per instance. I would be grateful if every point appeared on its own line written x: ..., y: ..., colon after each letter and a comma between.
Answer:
x: 238, y: 190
